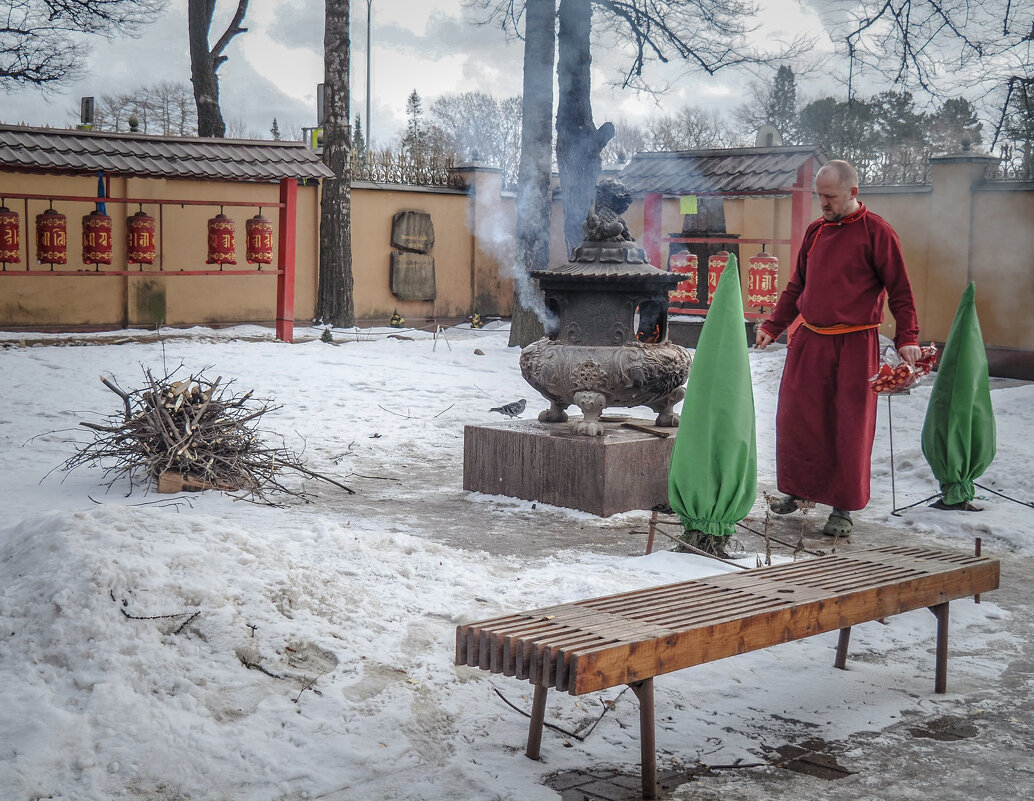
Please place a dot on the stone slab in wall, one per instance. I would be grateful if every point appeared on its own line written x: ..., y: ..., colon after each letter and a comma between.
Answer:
x: 412, y: 276
x: 412, y: 231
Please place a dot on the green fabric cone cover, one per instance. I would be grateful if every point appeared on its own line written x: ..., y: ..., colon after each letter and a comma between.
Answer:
x: 959, y: 430
x: 712, y: 481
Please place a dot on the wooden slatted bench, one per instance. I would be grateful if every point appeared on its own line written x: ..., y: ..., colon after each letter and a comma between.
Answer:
x: 631, y: 637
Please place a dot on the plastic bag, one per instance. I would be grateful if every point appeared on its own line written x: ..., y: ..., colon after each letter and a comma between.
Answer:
x: 896, y: 376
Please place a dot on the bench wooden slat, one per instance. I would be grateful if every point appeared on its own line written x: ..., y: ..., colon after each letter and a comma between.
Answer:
x: 630, y: 637
x: 607, y: 666
x: 727, y: 599
x: 658, y: 629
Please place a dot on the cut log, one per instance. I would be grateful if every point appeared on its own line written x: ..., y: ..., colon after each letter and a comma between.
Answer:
x: 171, y: 481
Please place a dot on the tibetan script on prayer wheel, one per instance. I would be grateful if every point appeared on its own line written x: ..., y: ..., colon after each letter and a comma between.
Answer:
x: 715, y: 267
x: 222, y: 240
x: 761, y: 280
x: 96, y: 238
x: 10, y: 236
x: 51, y: 238
x: 685, y: 264
x: 259, y: 234
x: 140, y: 242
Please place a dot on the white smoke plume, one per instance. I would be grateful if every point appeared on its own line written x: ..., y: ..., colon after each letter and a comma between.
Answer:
x: 496, y: 234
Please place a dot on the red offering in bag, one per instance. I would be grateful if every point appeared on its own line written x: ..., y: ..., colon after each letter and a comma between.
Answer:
x: 896, y: 376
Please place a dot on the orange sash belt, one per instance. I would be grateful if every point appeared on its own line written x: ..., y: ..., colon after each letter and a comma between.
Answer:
x: 839, y: 328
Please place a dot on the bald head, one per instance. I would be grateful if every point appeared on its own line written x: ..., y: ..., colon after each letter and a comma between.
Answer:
x: 842, y: 172
x: 836, y: 186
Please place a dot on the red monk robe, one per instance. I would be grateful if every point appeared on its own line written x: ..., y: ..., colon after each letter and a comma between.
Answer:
x: 826, y: 418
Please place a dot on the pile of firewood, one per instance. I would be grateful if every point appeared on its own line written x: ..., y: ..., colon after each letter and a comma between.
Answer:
x: 195, y: 430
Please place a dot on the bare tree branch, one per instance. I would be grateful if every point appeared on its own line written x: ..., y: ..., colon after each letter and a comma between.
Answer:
x: 41, y: 41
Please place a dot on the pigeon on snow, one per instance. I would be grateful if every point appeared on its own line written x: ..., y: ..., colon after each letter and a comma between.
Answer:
x: 511, y: 409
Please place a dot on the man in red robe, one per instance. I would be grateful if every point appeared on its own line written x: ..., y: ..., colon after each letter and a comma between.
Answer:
x: 850, y: 263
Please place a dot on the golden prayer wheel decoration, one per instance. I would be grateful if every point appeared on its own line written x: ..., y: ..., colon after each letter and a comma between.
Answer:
x: 222, y: 240
x: 10, y: 237
x: 259, y: 233
x: 96, y: 238
x: 51, y: 238
x: 761, y: 280
x: 684, y: 263
x: 140, y: 238
x: 715, y: 267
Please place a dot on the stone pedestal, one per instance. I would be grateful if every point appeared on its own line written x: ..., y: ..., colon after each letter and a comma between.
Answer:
x: 685, y: 330
x: 622, y: 470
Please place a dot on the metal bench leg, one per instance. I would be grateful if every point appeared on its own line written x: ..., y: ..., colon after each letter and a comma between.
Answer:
x: 538, y: 717
x: 647, y: 742
x: 940, y: 684
x: 841, y: 659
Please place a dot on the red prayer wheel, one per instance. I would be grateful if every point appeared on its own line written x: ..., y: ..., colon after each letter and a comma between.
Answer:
x: 761, y: 280
x: 259, y: 233
x: 140, y: 239
x: 715, y: 267
x: 222, y: 240
x: 685, y: 263
x: 10, y: 237
x: 51, y: 238
x: 96, y: 238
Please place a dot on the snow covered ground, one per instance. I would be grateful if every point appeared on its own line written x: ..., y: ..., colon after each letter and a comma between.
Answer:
x: 199, y: 646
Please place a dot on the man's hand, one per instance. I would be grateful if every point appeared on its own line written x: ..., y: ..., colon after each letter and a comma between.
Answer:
x: 909, y: 354
x: 763, y: 340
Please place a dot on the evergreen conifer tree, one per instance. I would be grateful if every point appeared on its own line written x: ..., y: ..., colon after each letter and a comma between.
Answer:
x: 413, y: 140
x: 358, y: 140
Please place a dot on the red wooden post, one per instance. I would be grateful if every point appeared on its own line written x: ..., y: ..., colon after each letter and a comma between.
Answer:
x: 652, y: 229
x: 800, y: 216
x: 800, y: 209
x: 285, y: 259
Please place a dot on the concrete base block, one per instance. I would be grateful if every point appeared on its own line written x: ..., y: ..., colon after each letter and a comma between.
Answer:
x: 622, y: 470
x: 685, y: 330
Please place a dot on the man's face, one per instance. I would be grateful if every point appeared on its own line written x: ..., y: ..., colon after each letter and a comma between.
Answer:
x: 837, y: 200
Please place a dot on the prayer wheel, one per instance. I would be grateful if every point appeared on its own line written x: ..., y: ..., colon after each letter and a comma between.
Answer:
x: 761, y: 280
x: 96, y: 238
x: 715, y: 266
x: 51, y: 238
x: 222, y: 240
x: 684, y: 263
x: 10, y: 237
x: 140, y: 239
x: 259, y: 233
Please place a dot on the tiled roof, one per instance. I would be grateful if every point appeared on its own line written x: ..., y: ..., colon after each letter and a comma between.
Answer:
x: 139, y: 155
x: 739, y: 170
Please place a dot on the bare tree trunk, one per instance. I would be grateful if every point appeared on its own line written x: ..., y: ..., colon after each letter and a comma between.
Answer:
x: 579, y: 142
x: 334, y: 300
x: 204, y: 62
x: 533, y: 197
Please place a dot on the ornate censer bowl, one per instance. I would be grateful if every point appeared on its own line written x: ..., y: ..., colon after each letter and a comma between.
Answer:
x: 596, y: 354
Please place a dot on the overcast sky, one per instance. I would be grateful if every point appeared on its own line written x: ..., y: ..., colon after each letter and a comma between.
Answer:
x: 428, y: 45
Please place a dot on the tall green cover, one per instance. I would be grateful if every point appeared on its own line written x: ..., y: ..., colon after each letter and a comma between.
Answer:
x: 712, y: 481
x: 959, y: 430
